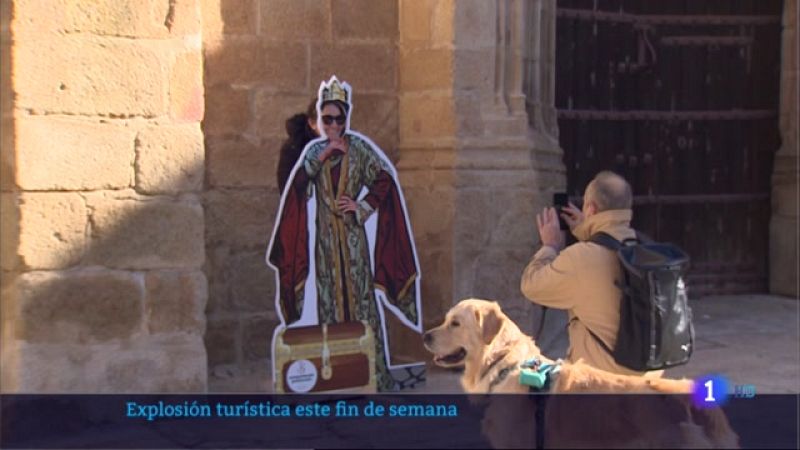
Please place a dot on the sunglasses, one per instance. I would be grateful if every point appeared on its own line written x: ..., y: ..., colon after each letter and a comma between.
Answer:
x: 340, y: 119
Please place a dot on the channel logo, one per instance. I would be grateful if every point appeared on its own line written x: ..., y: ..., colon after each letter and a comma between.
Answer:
x: 710, y: 391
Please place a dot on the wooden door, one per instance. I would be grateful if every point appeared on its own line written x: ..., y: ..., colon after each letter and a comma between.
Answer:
x: 681, y: 98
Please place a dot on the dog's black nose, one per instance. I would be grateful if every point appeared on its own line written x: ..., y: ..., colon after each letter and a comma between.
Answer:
x: 427, y: 338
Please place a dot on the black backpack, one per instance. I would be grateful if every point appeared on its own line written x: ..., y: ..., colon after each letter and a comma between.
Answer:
x: 655, y: 327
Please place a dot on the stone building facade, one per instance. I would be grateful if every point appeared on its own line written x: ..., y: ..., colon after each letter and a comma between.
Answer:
x: 783, y: 228
x: 139, y: 145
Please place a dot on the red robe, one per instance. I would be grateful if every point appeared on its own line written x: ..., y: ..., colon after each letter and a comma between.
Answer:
x: 395, y: 270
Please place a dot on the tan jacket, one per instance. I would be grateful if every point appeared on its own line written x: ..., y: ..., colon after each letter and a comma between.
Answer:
x: 581, y: 280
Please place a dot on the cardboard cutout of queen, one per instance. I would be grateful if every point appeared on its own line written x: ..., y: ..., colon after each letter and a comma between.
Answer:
x: 342, y: 246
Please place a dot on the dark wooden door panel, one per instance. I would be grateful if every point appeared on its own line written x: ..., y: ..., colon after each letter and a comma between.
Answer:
x: 681, y: 98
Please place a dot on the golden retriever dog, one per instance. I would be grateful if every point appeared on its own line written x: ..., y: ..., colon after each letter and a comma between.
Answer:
x: 477, y: 335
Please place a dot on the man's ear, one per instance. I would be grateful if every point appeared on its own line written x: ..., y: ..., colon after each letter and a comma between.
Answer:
x: 490, y: 324
x: 591, y: 209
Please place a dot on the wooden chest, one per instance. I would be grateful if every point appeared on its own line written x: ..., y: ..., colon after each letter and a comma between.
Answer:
x: 323, y: 358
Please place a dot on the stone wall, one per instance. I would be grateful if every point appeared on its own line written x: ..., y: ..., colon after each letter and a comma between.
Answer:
x: 783, y: 243
x: 102, y: 220
x: 427, y: 146
x: 264, y: 61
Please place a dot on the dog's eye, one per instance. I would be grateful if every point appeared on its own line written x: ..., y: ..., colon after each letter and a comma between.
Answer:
x: 454, y: 323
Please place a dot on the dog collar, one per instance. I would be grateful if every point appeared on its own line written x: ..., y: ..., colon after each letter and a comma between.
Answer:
x: 501, y: 375
x: 494, y: 363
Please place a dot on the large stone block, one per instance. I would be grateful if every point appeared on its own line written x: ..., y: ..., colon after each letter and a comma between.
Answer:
x: 236, y: 163
x: 176, y: 365
x: 257, y: 337
x: 8, y: 176
x: 186, y: 91
x: 432, y: 214
x: 9, y: 372
x: 281, y: 66
x: 228, y: 110
x: 472, y: 72
x: 219, y: 298
x: 170, y: 159
x: 239, y: 60
x: 491, y: 274
x: 222, y: 338
x: 7, y: 99
x: 178, y: 368
x: 416, y: 22
x: 783, y: 257
x: 64, y: 154
x: 790, y: 15
x: 135, y: 232
x: 117, y: 77
x: 273, y: 109
x: 496, y: 218
x: 252, y: 282
x: 375, y: 115
x: 784, y: 198
x: 119, y: 18
x: 58, y: 367
x: 417, y: 113
x: 469, y: 125
x: 426, y: 69
x: 228, y: 17
x: 241, y: 218
x: 9, y: 231
x: 443, y: 23
x: 6, y: 11
x: 295, y: 19
x: 789, y: 108
x: 79, y: 306
x: 437, y: 284
x: 471, y: 17
x: 365, y: 19
x: 175, y: 302
x: 366, y: 67
x: 184, y: 17
x: 52, y: 230
x: 477, y: 214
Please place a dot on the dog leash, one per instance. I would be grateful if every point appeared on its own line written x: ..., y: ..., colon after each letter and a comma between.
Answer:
x: 539, y: 377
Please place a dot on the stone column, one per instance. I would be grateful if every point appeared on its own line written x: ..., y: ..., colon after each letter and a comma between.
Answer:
x: 783, y: 226
x: 102, y: 283
x: 478, y: 170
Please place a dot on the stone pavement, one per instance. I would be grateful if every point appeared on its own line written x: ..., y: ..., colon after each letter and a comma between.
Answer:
x: 749, y: 339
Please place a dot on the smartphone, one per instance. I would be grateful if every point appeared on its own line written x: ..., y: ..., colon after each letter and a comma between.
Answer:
x: 561, y: 200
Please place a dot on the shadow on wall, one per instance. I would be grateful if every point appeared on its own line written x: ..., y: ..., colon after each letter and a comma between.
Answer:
x: 263, y: 63
x: 9, y: 213
x: 102, y: 250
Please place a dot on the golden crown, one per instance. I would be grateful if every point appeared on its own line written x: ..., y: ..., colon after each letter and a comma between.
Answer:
x: 334, y: 90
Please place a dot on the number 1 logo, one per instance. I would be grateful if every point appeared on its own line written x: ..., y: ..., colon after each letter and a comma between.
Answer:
x: 710, y: 391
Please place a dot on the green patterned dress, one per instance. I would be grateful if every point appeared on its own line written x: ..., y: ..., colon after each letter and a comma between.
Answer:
x: 344, y: 279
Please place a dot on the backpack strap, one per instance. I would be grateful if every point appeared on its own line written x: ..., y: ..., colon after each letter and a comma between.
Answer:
x: 599, y: 341
x: 643, y: 238
x: 606, y: 240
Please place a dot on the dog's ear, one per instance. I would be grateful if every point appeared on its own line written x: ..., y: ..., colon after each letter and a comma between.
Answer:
x: 490, y: 324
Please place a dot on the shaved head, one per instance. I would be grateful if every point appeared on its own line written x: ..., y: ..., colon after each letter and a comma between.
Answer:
x: 609, y: 191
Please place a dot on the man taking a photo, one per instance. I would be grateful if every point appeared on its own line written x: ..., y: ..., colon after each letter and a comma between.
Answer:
x: 582, y: 278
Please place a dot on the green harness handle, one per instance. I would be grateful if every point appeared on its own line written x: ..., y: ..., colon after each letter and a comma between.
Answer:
x: 535, y: 374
